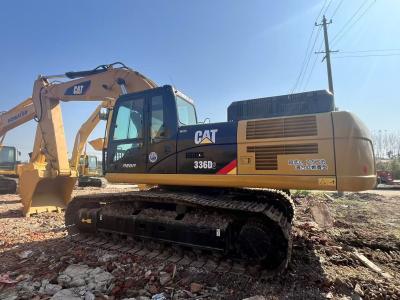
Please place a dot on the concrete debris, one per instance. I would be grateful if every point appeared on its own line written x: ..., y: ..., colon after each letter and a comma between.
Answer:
x: 255, y: 298
x: 160, y: 296
x: 64, y: 280
x: 70, y: 294
x: 5, y: 278
x: 81, y: 275
x: 329, y: 295
x: 321, y: 215
x: 51, y: 289
x: 11, y: 298
x: 107, y: 257
x: 195, y: 287
x: 89, y: 296
x: 164, y: 278
x: 25, y: 254
x: 356, y: 297
x: 39, y: 263
x: 358, y: 290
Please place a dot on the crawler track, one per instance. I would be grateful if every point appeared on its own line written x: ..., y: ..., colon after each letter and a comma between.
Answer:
x: 106, y: 221
x: 8, y: 185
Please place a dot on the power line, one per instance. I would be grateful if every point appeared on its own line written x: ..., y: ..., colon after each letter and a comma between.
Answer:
x: 307, y: 50
x: 355, y: 22
x: 309, y: 57
x: 349, y: 21
x: 369, y: 55
x: 327, y: 7
x: 337, y: 8
x: 312, y: 70
x: 313, y: 66
x: 375, y: 50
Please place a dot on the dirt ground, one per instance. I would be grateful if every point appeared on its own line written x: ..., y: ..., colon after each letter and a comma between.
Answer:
x: 39, y: 261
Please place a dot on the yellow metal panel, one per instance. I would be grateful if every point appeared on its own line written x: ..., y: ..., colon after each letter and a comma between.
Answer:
x: 252, y: 181
x: 290, y: 164
x: 354, y: 151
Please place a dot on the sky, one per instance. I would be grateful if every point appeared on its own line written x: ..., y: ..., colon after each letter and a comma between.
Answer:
x: 214, y: 51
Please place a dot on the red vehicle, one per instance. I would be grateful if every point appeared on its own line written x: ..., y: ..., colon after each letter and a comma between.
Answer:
x: 384, y: 177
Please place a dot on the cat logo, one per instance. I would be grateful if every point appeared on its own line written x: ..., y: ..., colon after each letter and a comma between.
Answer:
x: 78, y: 89
x: 205, y: 137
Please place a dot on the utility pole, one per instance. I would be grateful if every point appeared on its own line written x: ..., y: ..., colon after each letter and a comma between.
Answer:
x: 327, y: 56
x: 327, y: 52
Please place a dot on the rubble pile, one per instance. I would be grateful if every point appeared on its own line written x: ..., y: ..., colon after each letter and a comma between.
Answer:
x: 39, y: 261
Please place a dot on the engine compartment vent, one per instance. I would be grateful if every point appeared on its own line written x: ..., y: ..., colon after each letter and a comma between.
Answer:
x: 267, y: 156
x: 281, y: 106
x: 282, y: 128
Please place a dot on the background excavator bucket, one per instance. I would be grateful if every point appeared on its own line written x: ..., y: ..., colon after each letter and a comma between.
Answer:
x: 97, y: 144
x: 40, y: 193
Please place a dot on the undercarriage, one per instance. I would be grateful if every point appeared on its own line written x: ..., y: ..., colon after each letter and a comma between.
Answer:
x: 8, y: 185
x: 250, y: 225
x: 87, y: 181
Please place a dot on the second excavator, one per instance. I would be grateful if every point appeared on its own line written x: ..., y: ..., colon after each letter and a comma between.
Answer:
x: 219, y: 185
x: 9, y: 166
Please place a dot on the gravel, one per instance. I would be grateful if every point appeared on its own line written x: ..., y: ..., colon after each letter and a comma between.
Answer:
x: 38, y: 261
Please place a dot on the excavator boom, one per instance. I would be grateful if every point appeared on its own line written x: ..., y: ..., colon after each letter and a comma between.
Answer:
x: 46, y: 183
x: 20, y: 114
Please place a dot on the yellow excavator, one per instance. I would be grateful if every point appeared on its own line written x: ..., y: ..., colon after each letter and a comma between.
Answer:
x: 89, y: 175
x: 10, y: 166
x: 9, y: 169
x: 219, y: 185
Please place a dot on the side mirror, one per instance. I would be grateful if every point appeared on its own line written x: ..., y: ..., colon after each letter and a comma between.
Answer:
x: 103, y: 114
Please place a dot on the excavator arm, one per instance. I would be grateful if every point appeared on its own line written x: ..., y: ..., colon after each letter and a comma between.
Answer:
x: 18, y: 115
x: 24, y: 112
x: 46, y: 183
x: 103, y: 84
x: 84, y: 132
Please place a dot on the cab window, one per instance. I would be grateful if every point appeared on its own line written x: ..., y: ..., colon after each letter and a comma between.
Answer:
x: 7, y: 157
x: 129, y: 121
x: 92, y: 162
x: 186, y: 112
x: 157, y: 129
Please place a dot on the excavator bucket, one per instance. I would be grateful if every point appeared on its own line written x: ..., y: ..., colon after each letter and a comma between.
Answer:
x: 40, y: 193
x: 97, y: 144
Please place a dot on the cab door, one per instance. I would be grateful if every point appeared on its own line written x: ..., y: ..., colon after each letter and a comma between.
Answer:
x: 143, y: 136
x: 162, y: 133
x: 127, y: 145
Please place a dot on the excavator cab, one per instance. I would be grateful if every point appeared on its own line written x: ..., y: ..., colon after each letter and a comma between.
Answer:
x: 144, y: 132
x: 88, y: 172
x: 8, y: 159
x: 88, y: 165
x: 8, y: 168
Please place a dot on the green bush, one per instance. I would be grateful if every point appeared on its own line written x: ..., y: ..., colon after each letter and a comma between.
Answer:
x: 394, y: 167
